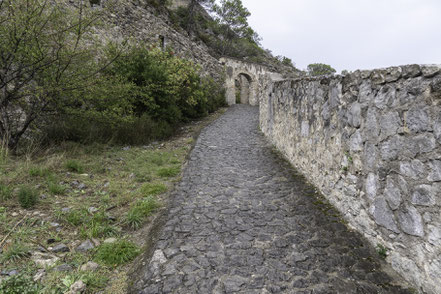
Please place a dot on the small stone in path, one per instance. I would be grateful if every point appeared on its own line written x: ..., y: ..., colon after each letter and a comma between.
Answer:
x: 85, y: 246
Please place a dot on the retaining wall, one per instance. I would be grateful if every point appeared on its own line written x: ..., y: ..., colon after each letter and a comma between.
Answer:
x: 370, y: 141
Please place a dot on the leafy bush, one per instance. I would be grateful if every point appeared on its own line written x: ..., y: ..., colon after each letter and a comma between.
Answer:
x: 117, y: 253
x: 141, y: 97
x: 27, y: 197
x: 19, y: 284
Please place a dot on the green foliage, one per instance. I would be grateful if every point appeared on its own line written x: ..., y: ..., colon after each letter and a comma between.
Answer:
x: 74, y: 217
x: 45, y: 52
x: 19, y: 284
x: 140, y: 211
x: 56, y: 189
x: 37, y: 171
x: 168, y: 172
x: 382, y: 251
x: 27, y: 197
x: 318, y: 69
x: 117, y: 253
x: 153, y: 189
x: 285, y: 60
x: 74, y: 166
x: 98, y: 227
x: 5, y: 192
x: 15, y: 252
x: 142, y: 96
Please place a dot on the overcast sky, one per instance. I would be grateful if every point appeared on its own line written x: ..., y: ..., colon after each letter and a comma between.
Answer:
x: 350, y: 34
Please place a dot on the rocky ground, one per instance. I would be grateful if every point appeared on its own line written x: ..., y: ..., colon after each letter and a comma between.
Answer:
x: 243, y: 221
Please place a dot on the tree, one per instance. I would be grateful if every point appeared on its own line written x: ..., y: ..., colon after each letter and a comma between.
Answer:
x: 285, y: 60
x: 192, y: 11
x: 45, y: 53
x: 318, y: 69
x: 231, y: 16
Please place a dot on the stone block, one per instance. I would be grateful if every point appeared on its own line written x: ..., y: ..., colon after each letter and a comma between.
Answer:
x: 383, y: 215
x: 435, y: 171
x: 410, y: 221
x: 371, y: 186
x: 434, y: 234
x: 378, y: 76
x: 392, y: 193
x: 425, y: 142
x: 423, y: 195
x: 389, y: 124
x: 385, y: 97
x: 393, y: 74
x: 391, y: 148
x: 411, y: 71
x: 371, y: 128
x: 430, y: 70
x: 356, y: 142
x: 414, y: 169
x: 418, y: 119
x: 354, y: 115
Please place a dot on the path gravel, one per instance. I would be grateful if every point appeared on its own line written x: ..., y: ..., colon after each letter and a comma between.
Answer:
x: 243, y: 221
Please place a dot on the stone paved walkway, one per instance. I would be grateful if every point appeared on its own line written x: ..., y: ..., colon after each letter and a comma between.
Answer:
x: 242, y: 221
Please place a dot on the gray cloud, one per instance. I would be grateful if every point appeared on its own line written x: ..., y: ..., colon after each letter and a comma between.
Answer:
x: 350, y: 34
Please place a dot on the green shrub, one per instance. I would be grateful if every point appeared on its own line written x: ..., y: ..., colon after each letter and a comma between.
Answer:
x: 5, y: 192
x: 19, y: 284
x: 117, y: 253
x: 74, y: 166
x: 27, y: 197
x: 168, y: 172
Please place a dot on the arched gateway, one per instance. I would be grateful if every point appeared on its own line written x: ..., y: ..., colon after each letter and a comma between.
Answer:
x: 245, y: 82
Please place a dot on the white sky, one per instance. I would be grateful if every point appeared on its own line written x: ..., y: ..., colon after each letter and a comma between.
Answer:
x: 350, y: 34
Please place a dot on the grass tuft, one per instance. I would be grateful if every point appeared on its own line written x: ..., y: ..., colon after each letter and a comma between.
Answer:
x: 27, y: 197
x: 153, y: 189
x: 15, y: 252
x: 56, y: 189
x: 5, y: 192
x: 117, y: 253
x: 168, y: 172
x: 37, y: 171
x: 140, y: 211
x: 73, y: 165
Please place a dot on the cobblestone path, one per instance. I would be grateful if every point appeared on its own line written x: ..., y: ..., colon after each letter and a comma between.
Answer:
x: 242, y: 221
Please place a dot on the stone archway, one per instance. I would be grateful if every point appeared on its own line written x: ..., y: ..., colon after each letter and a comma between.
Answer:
x: 244, y: 89
x: 250, y: 79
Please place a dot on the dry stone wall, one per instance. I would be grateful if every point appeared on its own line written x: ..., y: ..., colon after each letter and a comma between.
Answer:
x: 370, y: 141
